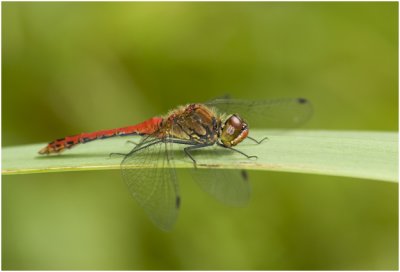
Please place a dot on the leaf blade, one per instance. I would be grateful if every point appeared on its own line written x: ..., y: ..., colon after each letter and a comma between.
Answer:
x: 370, y: 155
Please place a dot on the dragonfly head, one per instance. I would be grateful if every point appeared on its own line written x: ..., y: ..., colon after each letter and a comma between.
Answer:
x: 233, y: 131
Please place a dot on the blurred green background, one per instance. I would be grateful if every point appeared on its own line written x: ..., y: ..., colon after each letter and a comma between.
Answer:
x: 75, y: 67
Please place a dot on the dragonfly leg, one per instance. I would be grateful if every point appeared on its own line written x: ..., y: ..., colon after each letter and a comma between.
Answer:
x: 257, y: 141
x: 189, y: 148
x: 192, y: 145
x: 131, y: 142
x: 238, y: 151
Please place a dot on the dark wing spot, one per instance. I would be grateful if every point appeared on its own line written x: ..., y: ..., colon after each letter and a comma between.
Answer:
x: 178, y: 202
x: 244, y: 174
x: 302, y: 100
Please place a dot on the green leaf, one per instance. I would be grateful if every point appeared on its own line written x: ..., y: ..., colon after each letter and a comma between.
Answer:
x: 370, y: 155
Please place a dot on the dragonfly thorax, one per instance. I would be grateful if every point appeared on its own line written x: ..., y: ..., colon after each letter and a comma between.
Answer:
x: 233, y: 131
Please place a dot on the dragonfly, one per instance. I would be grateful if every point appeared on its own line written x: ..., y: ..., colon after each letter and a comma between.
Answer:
x: 149, y: 171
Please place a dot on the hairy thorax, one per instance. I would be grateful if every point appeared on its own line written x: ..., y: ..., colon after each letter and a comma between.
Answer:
x: 192, y: 123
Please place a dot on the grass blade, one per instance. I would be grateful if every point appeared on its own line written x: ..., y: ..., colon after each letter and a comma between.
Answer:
x: 370, y: 155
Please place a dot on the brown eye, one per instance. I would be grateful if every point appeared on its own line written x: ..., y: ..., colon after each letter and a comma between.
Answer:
x: 234, y: 121
x: 234, y: 131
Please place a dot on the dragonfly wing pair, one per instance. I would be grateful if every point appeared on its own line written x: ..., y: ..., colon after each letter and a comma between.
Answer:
x: 149, y: 172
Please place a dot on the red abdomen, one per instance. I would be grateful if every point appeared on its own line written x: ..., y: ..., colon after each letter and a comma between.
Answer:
x: 147, y: 127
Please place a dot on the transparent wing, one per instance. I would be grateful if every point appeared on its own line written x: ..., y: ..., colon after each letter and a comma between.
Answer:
x: 229, y: 186
x: 151, y: 179
x: 278, y: 113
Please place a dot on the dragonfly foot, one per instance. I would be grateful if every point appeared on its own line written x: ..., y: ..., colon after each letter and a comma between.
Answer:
x: 118, y: 154
x: 257, y: 141
x: 131, y: 142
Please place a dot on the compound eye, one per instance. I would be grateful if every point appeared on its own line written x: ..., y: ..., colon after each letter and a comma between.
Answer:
x: 235, y: 122
x: 234, y: 131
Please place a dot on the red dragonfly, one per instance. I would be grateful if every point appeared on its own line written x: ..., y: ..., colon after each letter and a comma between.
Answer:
x: 148, y: 169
